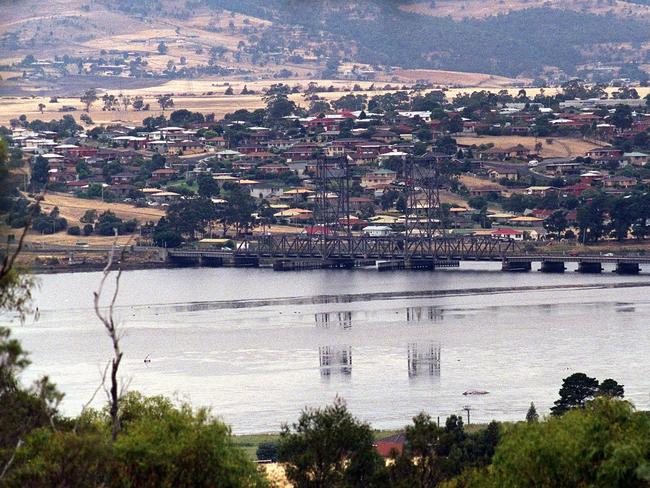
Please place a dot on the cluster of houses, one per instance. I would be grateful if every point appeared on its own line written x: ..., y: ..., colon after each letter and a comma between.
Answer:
x: 280, y: 167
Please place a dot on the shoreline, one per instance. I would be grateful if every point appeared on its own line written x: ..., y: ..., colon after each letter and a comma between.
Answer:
x: 94, y: 267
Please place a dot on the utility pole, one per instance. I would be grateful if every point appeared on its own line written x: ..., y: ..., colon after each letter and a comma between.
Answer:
x: 467, y: 408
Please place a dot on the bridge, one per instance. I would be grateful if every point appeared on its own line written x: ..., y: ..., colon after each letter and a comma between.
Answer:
x: 291, y: 252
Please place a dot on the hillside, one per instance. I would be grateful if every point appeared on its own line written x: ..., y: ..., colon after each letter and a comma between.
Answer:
x: 468, y: 9
x: 282, y: 38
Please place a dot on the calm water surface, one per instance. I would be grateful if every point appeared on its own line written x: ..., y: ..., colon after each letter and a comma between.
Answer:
x: 258, y: 345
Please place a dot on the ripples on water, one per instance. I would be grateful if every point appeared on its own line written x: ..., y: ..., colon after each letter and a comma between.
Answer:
x: 258, y: 346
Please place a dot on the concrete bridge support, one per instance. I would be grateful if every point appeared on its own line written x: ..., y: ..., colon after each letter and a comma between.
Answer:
x: 628, y: 268
x: 246, y: 262
x: 340, y: 264
x: 184, y: 261
x: 211, y: 262
x: 517, y: 266
x: 590, y: 267
x: 426, y: 264
x: 552, y: 267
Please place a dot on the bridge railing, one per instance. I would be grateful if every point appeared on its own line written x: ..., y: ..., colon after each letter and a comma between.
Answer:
x: 391, y: 247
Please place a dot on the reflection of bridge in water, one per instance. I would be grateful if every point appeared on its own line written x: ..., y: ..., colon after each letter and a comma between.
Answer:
x: 420, y: 314
x: 335, y: 360
x: 294, y: 252
x: 423, y: 359
x: 325, y: 320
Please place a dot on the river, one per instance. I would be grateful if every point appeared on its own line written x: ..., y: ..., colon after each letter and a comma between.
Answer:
x: 258, y: 346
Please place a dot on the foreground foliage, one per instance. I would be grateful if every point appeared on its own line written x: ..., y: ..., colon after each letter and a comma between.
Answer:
x: 328, y: 447
x: 604, y: 445
x: 160, y: 445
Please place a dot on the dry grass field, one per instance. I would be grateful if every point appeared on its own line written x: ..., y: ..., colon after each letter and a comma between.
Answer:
x: 560, y: 147
x: 73, y: 208
x: 192, y: 95
x: 456, y: 78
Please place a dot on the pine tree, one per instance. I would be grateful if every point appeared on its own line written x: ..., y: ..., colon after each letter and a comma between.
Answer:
x: 532, y: 416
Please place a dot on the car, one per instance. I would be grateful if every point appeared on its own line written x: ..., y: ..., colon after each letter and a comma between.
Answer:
x: 532, y: 163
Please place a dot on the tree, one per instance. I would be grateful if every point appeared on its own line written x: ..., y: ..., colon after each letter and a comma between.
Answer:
x: 88, y: 98
x: 279, y: 106
x: 85, y: 118
x: 590, y: 218
x: 40, y: 173
x: 574, y: 393
x: 108, y: 223
x: 317, y: 107
x: 478, y: 203
x: 433, y: 455
x: 161, y: 445
x: 41, y: 107
x: 83, y: 170
x: 229, y: 91
x: 556, y: 223
x: 89, y: 216
x: 622, y: 213
x: 165, y: 236
x: 350, y: 102
x: 238, y: 210
x: 138, y: 103
x: 622, y: 117
x: 532, y: 416
x: 267, y: 451
x: 21, y: 409
x: 185, y: 117
x: 109, y: 102
x: 603, y: 445
x: 165, y: 101
x: 126, y: 101
x: 329, y: 448
x: 162, y: 48
x: 611, y: 389
x: 423, y: 441
x: 207, y: 186
x: 190, y: 216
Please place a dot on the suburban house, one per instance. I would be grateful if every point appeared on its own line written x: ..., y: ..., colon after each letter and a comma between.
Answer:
x: 390, y: 445
x: 636, y: 158
x: 502, y: 171
x: 378, y: 178
x: 619, y: 182
x: 163, y: 174
x: 540, y: 191
x: 605, y: 155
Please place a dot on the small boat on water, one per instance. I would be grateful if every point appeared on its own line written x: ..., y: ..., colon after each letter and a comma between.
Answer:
x: 475, y: 392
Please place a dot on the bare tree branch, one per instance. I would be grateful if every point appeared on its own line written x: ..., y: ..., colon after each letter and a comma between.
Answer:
x: 8, y: 265
x: 108, y: 320
x: 85, y: 406
x: 11, y: 459
x: 10, y: 257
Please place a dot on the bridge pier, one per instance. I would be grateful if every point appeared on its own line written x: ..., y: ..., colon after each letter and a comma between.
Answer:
x: 297, y: 265
x: 185, y: 261
x: 246, y: 262
x: 552, y: 267
x: 340, y: 264
x: 426, y: 264
x: 590, y: 267
x: 628, y: 268
x: 516, y: 266
x: 211, y: 262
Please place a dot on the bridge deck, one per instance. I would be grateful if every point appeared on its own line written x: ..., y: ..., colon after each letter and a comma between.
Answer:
x: 289, y: 247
